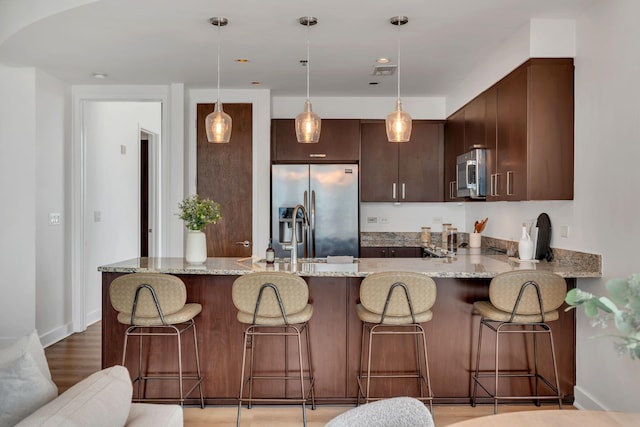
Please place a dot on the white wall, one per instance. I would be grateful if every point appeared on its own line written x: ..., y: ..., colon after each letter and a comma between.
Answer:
x: 112, y: 196
x: 606, y: 211
x: 18, y: 195
x: 53, y: 285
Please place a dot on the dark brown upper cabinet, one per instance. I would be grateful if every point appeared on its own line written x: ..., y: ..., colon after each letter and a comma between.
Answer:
x: 402, y: 172
x: 339, y: 142
x: 525, y: 121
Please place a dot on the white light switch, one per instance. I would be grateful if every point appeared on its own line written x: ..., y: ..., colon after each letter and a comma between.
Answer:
x: 372, y: 220
x: 54, y: 218
x: 123, y: 149
x: 97, y: 216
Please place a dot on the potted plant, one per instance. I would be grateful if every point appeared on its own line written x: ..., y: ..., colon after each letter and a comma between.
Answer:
x: 197, y: 213
x: 623, y: 306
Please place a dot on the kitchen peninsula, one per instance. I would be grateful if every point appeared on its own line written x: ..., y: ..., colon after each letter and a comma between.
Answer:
x: 335, y: 329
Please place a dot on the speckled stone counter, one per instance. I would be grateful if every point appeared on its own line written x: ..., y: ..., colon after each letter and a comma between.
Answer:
x: 335, y: 326
x: 467, y: 263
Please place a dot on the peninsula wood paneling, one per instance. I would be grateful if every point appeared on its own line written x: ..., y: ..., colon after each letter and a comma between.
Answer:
x: 335, y: 332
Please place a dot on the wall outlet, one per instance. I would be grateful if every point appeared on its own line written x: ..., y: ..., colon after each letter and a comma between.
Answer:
x: 372, y: 220
x: 564, y: 231
x: 54, y: 218
x: 97, y: 216
x: 384, y: 220
x: 436, y: 220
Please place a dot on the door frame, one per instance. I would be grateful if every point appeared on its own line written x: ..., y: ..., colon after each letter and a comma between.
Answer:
x: 80, y: 318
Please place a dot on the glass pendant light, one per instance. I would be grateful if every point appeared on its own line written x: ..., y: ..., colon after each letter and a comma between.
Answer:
x: 218, y: 123
x: 398, y: 123
x: 308, y: 122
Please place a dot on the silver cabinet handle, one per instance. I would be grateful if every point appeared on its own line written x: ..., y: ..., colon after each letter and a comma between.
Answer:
x: 509, y: 184
x: 245, y: 243
x: 403, y: 192
x: 492, y: 191
x: 497, y: 184
x: 393, y: 191
x: 452, y: 189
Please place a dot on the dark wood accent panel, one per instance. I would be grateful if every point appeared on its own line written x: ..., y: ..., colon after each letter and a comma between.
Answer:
x: 474, y: 122
x: 415, y: 168
x: 225, y: 175
x: 335, y: 332
x: 339, y: 142
x: 377, y: 252
x: 491, y: 135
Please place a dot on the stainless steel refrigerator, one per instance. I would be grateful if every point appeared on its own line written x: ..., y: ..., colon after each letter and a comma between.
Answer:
x: 330, y: 195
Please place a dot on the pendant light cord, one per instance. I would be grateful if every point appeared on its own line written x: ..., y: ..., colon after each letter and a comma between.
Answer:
x: 219, y: 61
x: 308, y: 61
x: 399, y: 25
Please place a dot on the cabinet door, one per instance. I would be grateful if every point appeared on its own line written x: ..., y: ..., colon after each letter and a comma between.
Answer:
x: 373, y: 252
x: 511, y: 154
x: 550, y: 154
x: 339, y: 142
x: 420, y: 164
x: 378, y: 164
x: 490, y: 129
x: 453, y: 146
x: 403, y: 252
x: 474, y: 122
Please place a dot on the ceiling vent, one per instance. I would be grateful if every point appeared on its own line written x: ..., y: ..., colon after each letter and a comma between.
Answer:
x: 384, y: 70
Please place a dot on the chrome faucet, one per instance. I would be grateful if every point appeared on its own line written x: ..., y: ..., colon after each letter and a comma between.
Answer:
x: 293, y: 246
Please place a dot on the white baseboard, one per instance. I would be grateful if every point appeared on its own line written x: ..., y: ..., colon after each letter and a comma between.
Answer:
x: 583, y: 400
x: 56, y: 335
x: 94, y: 316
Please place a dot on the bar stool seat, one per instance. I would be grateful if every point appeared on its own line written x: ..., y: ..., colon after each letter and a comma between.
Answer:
x: 520, y: 302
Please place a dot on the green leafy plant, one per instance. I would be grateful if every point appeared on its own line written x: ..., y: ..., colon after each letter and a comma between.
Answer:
x: 197, y: 212
x: 623, y: 307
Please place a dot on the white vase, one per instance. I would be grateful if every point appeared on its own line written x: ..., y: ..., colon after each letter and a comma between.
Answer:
x: 196, y: 247
x: 525, y: 245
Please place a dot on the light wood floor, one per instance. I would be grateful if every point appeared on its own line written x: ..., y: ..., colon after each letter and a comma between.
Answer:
x: 78, y: 356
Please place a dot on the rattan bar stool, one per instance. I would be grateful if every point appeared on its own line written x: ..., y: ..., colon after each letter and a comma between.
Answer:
x: 521, y: 302
x: 154, y: 305
x: 395, y: 303
x: 275, y: 304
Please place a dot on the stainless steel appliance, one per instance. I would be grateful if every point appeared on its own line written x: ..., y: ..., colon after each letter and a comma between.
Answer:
x: 330, y: 195
x: 471, y: 174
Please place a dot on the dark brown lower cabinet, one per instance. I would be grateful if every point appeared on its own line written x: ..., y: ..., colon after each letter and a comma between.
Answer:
x: 390, y: 252
x: 335, y: 331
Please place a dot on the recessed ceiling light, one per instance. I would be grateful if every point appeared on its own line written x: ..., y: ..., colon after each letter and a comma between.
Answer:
x: 382, y: 60
x: 99, y: 75
x: 242, y: 60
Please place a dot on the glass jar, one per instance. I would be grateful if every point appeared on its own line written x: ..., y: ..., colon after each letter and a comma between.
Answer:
x: 425, y: 236
x: 445, y: 230
x: 452, y: 239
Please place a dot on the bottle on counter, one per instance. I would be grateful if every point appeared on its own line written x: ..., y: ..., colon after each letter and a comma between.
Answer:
x: 270, y: 255
x: 525, y: 245
x: 425, y: 236
x: 445, y: 230
x: 452, y: 239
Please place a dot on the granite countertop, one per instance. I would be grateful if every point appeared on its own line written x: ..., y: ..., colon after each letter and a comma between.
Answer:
x: 468, y: 263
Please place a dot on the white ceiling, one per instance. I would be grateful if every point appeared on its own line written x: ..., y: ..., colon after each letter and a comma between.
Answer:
x: 172, y: 41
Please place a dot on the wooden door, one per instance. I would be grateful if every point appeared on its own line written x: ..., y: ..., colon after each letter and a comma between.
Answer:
x: 225, y: 175
x: 512, y: 136
x: 378, y: 163
x: 420, y: 164
x: 453, y: 147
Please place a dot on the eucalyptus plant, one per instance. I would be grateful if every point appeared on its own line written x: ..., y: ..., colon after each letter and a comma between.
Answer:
x: 623, y: 307
x: 197, y: 212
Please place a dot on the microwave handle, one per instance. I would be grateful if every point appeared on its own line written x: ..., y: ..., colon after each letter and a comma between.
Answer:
x: 467, y: 174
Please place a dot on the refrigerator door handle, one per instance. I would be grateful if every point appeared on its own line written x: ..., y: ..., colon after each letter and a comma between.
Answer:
x: 305, y: 227
x: 312, y: 228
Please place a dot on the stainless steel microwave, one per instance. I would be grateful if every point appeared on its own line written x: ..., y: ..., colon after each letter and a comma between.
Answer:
x: 471, y: 174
